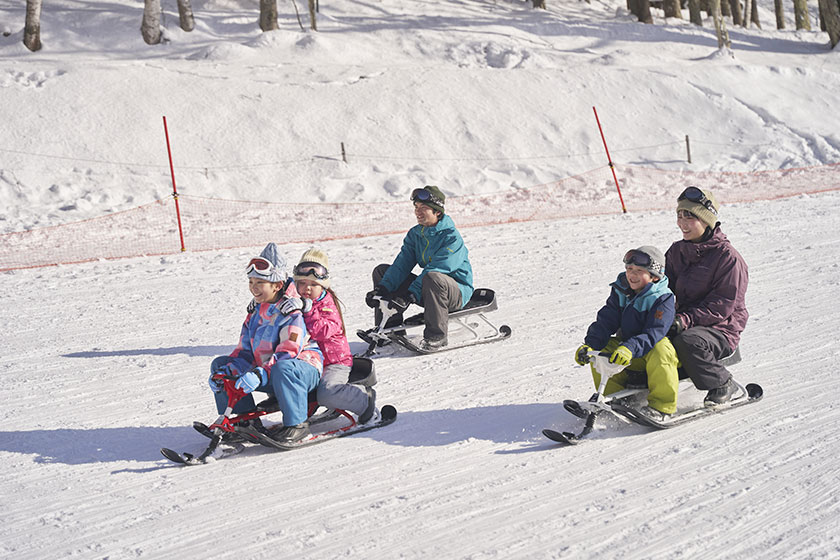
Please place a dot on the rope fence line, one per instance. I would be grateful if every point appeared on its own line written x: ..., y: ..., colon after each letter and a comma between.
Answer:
x: 304, y: 159
x: 215, y: 224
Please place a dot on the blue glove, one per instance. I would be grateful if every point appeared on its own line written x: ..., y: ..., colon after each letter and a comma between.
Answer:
x: 254, y: 379
x: 216, y: 385
x: 294, y: 304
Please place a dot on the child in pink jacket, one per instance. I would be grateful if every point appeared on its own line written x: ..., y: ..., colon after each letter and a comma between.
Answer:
x: 325, y: 325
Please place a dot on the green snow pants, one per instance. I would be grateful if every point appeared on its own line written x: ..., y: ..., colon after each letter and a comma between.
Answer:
x: 661, y: 367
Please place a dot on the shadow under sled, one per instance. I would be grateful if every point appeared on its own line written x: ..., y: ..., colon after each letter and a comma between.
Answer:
x: 362, y: 373
x: 467, y: 326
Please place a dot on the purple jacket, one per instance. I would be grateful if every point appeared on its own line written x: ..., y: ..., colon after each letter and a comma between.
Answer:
x: 710, y: 280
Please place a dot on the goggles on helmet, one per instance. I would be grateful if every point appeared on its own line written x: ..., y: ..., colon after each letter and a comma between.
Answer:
x: 260, y: 265
x: 424, y: 196
x: 317, y: 270
x: 696, y: 195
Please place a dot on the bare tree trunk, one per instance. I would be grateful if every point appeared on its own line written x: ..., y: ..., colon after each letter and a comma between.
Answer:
x: 830, y: 12
x: 538, y: 4
x: 32, y: 27
x: 720, y: 26
x: 312, y: 10
x: 150, y: 28
x: 754, y: 14
x: 644, y: 11
x: 725, y: 9
x: 737, y: 16
x: 745, y: 21
x: 780, y: 14
x: 672, y: 9
x: 800, y: 12
x: 268, y: 15
x: 694, y: 14
x: 185, y: 14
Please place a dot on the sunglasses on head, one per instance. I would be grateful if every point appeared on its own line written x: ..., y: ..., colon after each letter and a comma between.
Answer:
x: 637, y: 258
x: 260, y: 265
x: 422, y: 195
x: 317, y: 270
x: 696, y: 195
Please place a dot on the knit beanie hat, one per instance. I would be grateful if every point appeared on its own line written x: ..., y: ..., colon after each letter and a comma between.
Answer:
x: 654, y: 263
x: 435, y: 202
x: 275, y: 272
x: 313, y: 256
x: 700, y: 203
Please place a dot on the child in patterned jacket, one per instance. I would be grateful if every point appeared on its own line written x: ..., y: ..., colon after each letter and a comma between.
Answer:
x: 632, y: 328
x: 325, y: 323
x: 275, y: 354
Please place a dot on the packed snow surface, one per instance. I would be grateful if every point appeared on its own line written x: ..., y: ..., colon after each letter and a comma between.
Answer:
x: 103, y: 363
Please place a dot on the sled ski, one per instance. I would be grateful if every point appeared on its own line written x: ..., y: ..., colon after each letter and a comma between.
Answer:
x: 362, y: 373
x: 747, y: 394
x: 467, y: 327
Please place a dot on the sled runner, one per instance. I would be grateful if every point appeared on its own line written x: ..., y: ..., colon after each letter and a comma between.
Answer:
x: 467, y: 326
x: 239, y: 428
x: 625, y: 403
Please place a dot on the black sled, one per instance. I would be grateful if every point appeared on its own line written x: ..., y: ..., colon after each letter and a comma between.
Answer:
x: 467, y: 326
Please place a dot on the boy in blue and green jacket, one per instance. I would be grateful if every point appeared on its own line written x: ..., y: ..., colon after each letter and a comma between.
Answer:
x: 632, y: 327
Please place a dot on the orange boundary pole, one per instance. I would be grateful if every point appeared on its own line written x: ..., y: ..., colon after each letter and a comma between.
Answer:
x: 609, y: 159
x: 174, y: 188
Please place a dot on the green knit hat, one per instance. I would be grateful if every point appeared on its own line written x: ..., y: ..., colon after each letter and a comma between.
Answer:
x: 430, y: 196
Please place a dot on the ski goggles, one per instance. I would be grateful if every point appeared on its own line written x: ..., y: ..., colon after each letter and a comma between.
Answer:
x: 696, y: 195
x: 260, y: 265
x: 424, y: 196
x: 317, y: 270
x: 637, y: 258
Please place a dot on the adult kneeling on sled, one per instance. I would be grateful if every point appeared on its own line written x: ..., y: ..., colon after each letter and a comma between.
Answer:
x: 446, y: 282
x: 709, y: 278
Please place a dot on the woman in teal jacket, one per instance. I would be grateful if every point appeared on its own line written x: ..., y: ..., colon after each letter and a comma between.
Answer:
x: 446, y: 282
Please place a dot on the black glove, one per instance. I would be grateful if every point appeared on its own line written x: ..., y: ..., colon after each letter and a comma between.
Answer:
x: 379, y: 291
x: 401, y: 303
x: 677, y: 327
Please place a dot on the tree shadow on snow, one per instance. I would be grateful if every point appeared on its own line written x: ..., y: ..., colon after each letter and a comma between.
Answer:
x: 209, y: 351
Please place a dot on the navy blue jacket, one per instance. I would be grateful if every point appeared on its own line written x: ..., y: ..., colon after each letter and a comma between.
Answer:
x: 638, y: 320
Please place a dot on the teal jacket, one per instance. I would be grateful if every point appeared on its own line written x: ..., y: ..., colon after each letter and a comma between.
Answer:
x: 439, y: 248
x: 638, y: 320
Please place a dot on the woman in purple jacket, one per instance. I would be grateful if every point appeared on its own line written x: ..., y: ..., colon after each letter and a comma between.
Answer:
x: 709, y: 278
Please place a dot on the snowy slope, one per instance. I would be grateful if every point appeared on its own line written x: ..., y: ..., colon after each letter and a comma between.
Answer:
x: 104, y: 363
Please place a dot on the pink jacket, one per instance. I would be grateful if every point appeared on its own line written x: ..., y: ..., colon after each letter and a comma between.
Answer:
x: 324, y: 325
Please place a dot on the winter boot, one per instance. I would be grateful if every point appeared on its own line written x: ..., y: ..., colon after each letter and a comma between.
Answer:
x: 654, y: 414
x: 247, y: 431
x: 293, y: 434
x: 722, y: 394
x: 433, y: 344
x: 366, y: 416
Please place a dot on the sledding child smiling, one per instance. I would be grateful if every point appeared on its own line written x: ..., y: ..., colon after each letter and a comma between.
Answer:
x: 632, y: 328
x: 274, y: 354
x: 325, y: 324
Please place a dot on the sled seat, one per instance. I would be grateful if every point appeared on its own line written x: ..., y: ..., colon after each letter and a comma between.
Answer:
x: 483, y: 300
x: 363, y: 372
